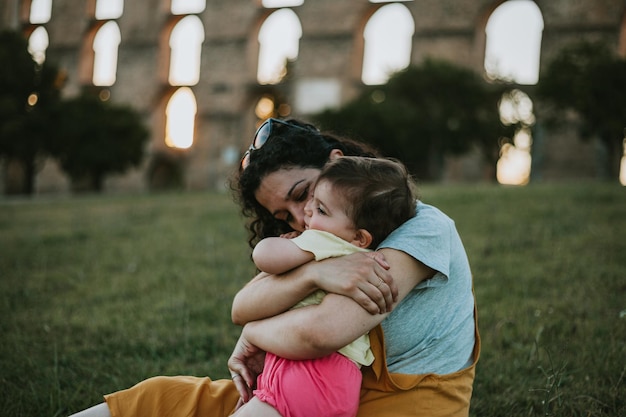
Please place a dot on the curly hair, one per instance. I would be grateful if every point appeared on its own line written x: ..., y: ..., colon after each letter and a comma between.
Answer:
x: 292, y: 144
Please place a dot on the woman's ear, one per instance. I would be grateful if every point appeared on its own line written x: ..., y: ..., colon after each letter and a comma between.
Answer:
x: 334, y: 154
x: 362, y: 238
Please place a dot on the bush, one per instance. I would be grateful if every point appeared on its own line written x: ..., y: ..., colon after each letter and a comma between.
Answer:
x: 423, y: 114
x: 93, y: 139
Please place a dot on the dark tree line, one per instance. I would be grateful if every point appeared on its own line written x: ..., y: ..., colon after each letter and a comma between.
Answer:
x: 588, y: 80
x: 423, y: 114
x: 436, y: 109
x: 89, y: 138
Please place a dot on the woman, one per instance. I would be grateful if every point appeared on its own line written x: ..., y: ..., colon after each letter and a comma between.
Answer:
x: 417, y: 293
x: 357, y: 202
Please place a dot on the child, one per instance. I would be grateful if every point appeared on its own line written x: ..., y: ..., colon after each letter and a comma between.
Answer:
x: 356, y: 203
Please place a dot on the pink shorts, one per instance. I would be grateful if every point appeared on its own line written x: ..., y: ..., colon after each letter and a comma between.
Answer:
x: 327, y: 386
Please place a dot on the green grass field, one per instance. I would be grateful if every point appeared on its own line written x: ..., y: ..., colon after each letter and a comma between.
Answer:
x: 98, y: 293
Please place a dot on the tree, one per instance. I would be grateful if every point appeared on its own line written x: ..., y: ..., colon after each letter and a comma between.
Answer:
x: 588, y: 80
x: 93, y: 139
x: 423, y: 114
x: 28, y: 92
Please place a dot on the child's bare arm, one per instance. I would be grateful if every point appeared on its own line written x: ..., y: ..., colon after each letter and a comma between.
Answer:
x: 276, y: 255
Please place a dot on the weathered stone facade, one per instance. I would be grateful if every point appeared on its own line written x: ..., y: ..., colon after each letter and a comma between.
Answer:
x: 331, y: 48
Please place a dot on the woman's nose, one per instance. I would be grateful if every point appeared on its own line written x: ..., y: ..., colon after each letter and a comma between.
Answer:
x: 297, y: 215
x: 308, y: 207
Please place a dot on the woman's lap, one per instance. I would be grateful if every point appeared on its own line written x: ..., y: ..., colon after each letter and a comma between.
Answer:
x: 175, y: 396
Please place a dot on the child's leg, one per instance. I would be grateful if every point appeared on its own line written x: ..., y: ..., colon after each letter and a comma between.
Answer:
x: 256, y: 408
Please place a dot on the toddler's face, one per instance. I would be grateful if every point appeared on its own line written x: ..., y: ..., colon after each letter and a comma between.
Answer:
x: 326, y: 211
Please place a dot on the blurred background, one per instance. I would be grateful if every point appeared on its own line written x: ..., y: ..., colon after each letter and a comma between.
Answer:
x: 477, y: 97
x: 107, y: 95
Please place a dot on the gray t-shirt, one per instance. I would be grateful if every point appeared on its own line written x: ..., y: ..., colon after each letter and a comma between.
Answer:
x: 432, y: 329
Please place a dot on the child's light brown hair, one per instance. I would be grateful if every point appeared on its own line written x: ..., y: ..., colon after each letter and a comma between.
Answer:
x: 379, y: 193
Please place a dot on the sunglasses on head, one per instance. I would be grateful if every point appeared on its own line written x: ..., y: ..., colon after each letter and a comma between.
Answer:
x: 263, y: 133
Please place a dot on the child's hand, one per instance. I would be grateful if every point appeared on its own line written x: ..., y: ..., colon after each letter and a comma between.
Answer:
x: 290, y: 235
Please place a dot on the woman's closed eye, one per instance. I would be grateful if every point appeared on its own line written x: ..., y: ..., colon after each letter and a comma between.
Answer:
x: 300, y: 197
x: 304, y: 195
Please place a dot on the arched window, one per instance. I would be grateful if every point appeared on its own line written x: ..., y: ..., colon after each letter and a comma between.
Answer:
x: 388, y: 39
x: 179, y: 7
x: 186, y: 49
x: 180, y: 116
x: 109, y: 9
x: 38, y: 43
x: 514, y: 42
x: 105, y: 45
x: 40, y: 11
x: 279, y: 40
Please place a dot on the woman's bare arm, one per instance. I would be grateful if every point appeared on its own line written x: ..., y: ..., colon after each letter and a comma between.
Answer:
x: 284, y: 291
x: 316, y: 331
x: 357, y: 276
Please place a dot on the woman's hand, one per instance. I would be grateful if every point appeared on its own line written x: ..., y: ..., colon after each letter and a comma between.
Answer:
x: 363, y: 277
x: 245, y: 364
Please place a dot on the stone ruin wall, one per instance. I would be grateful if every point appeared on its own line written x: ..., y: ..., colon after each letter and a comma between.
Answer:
x: 330, y: 49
